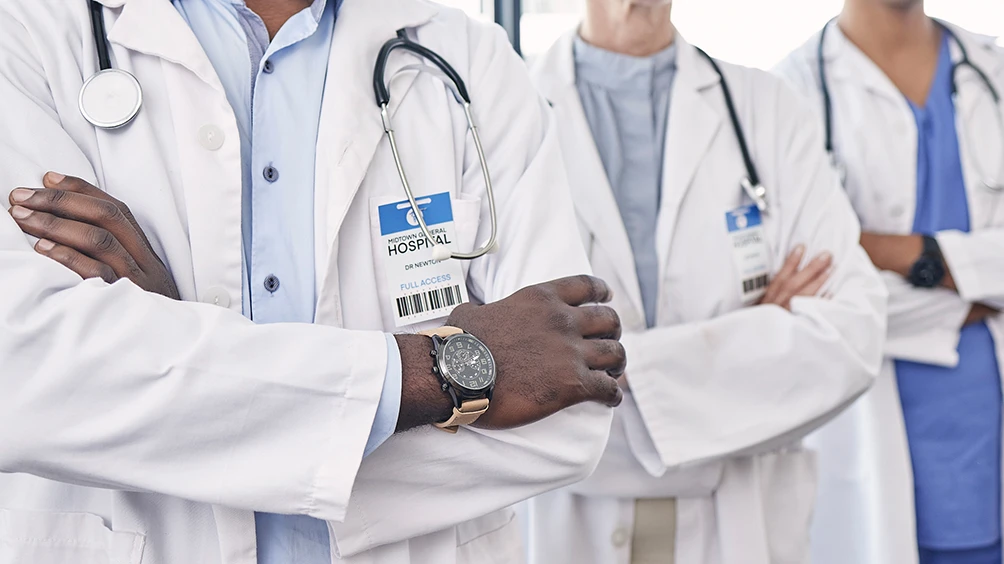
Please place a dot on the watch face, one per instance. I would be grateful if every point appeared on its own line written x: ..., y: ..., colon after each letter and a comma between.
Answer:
x: 467, y: 363
x: 927, y: 272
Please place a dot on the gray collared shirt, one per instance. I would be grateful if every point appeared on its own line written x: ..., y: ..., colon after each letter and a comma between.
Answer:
x: 626, y: 101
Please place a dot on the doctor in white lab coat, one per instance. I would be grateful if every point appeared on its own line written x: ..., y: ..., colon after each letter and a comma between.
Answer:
x: 866, y: 509
x: 135, y: 429
x: 721, y: 391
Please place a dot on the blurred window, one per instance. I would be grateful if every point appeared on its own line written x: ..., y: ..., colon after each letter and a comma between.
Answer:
x: 480, y: 9
x: 756, y: 34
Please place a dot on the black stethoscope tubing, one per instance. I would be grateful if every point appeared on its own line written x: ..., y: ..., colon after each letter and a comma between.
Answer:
x: 100, y: 35
x: 751, y: 184
x: 737, y: 127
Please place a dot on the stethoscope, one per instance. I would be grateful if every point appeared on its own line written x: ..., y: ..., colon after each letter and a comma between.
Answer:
x: 112, y: 97
x: 751, y: 183
x: 988, y: 181
x: 452, y: 80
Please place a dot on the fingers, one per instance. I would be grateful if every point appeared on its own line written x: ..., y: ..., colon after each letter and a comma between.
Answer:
x: 607, y: 355
x: 579, y: 290
x: 816, y: 268
x: 789, y: 268
x: 790, y: 282
x: 83, y: 265
x: 812, y: 287
x: 598, y: 322
x: 70, y: 205
x: 602, y: 388
x: 81, y: 204
x: 92, y: 241
x: 57, y: 181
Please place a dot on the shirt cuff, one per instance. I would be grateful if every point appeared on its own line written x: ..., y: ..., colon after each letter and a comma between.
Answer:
x: 385, y: 422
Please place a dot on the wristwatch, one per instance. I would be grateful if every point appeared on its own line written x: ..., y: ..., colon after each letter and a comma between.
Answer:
x: 929, y: 270
x: 466, y: 370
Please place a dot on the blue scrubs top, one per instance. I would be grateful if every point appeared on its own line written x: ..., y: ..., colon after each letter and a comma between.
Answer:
x: 953, y: 415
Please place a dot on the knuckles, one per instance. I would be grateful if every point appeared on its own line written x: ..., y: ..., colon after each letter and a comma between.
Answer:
x: 101, y: 240
x: 55, y: 198
x: 108, y: 212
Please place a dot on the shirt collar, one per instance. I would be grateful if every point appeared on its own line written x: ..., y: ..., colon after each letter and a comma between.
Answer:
x: 619, y: 71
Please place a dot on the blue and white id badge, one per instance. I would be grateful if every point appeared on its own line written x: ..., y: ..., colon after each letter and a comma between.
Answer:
x: 420, y: 288
x: 750, y: 252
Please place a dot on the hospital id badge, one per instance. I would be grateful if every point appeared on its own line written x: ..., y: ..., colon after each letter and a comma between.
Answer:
x: 749, y: 252
x: 420, y: 288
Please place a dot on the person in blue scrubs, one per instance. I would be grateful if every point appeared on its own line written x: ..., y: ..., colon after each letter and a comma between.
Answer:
x: 952, y: 414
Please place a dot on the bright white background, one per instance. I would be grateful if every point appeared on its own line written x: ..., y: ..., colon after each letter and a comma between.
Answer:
x: 756, y: 33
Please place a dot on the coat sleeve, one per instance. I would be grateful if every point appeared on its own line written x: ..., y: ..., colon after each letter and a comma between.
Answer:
x: 976, y: 261
x: 113, y: 387
x: 924, y: 324
x: 426, y: 480
x: 758, y: 378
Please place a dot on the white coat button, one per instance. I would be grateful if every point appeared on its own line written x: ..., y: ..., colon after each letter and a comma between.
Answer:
x: 897, y: 211
x: 620, y: 537
x: 217, y: 296
x: 211, y: 137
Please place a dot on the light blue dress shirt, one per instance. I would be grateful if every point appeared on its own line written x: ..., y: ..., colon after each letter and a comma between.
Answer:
x: 626, y: 101
x: 952, y: 415
x: 275, y: 89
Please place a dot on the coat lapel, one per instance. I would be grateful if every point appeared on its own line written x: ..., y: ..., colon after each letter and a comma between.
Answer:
x: 977, y: 117
x: 350, y: 127
x: 591, y: 192
x: 694, y: 121
x: 155, y: 28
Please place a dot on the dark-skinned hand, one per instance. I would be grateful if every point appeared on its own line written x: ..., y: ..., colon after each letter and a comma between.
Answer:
x: 89, y: 232
x: 552, y: 351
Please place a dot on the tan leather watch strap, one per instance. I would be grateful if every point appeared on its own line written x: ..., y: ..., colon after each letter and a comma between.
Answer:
x: 469, y: 410
x: 467, y: 413
x: 444, y: 331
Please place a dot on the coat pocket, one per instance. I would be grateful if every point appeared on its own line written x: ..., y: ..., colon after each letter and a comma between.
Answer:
x: 493, y: 538
x: 35, y: 537
x: 788, y: 489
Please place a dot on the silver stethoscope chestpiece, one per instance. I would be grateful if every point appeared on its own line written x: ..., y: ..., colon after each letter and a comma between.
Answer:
x: 110, y: 98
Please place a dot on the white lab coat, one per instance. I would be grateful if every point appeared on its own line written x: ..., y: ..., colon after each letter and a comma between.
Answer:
x: 135, y: 429
x: 722, y: 394
x: 865, y: 509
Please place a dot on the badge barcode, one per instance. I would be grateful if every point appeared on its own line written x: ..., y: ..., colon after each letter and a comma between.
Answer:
x: 757, y: 283
x: 428, y: 301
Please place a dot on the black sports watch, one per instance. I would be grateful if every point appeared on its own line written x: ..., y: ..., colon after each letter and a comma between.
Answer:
x: 929, y: 269
x: 466, y: 370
